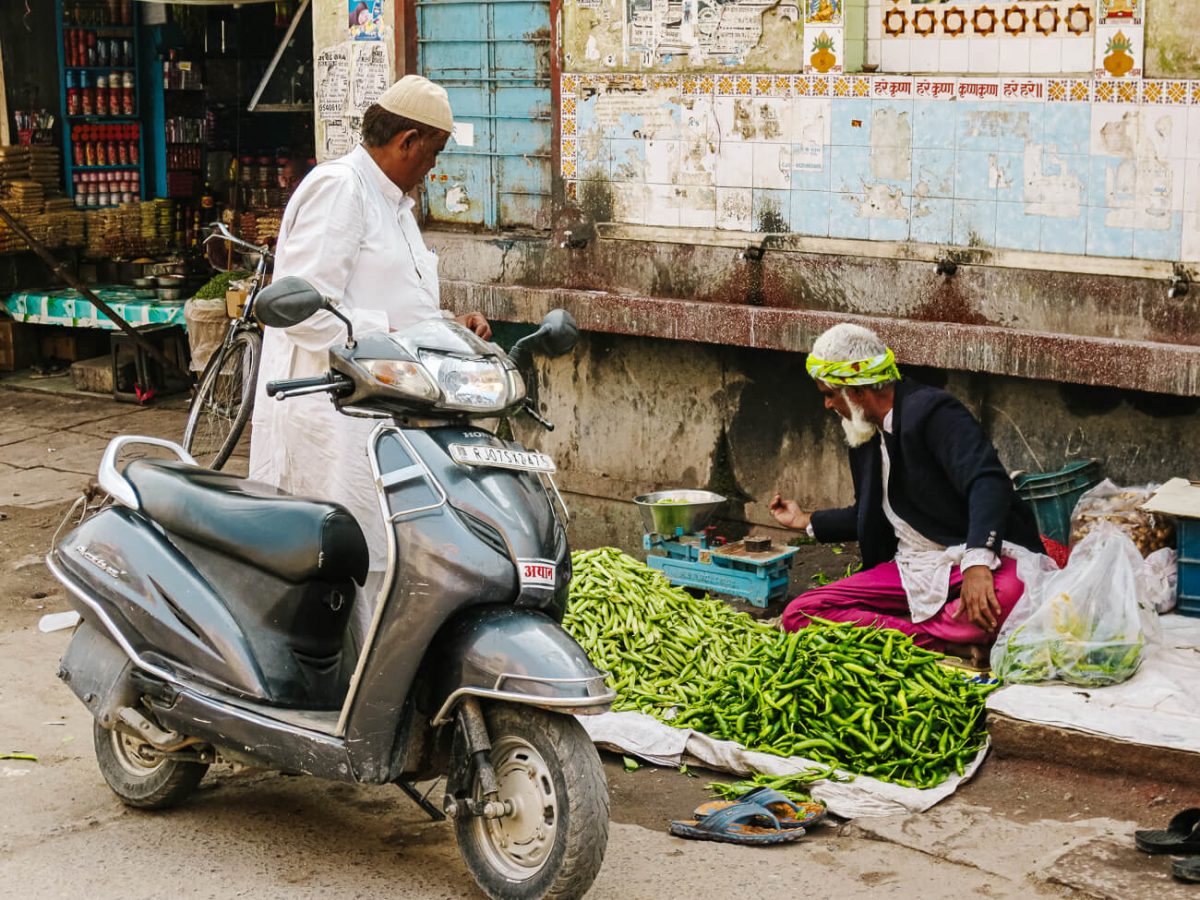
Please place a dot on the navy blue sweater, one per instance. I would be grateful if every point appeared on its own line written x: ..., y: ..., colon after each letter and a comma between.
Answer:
x: 946, y: 482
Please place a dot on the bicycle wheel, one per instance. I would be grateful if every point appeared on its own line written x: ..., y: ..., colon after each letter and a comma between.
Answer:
x: 223, y: 401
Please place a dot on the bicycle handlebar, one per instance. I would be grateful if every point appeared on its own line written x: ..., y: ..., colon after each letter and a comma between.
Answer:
x: 330, y: 381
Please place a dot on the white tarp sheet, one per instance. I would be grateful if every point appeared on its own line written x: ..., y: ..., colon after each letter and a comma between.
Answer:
x: 656, y: 742
x: 1159, y: 706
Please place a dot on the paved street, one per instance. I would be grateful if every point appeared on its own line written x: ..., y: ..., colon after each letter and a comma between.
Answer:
x: 1020, y: 830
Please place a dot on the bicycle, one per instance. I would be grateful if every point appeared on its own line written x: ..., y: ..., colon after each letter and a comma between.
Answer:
x: 224, y: 398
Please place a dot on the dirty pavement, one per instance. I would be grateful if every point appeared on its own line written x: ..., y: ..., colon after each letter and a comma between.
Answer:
x: 1021, y: 828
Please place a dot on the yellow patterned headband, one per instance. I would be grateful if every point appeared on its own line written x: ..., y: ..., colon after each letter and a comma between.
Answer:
x: 854, y: 373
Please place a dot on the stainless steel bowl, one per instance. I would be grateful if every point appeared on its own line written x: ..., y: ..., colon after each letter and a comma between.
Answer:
x: 172, y: 293
x: 144, y: 283
x: 691, y: 510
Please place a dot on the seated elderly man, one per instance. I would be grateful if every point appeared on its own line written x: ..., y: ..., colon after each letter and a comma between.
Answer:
x: 935, y: 515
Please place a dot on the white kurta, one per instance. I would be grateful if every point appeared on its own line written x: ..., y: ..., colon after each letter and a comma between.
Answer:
x: 351, y: 233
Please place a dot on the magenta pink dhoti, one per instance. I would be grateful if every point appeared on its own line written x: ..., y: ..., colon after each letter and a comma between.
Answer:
x: 876, y: 597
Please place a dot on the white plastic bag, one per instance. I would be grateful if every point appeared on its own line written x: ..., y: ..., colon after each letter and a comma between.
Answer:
x: 1081, y: 624
x: 1159, y: 576
x: 1107, y: 502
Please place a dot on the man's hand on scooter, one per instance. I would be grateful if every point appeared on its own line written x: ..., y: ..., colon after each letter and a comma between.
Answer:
x: 477, y: 323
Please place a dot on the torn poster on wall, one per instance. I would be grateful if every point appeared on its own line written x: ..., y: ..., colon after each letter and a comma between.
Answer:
x: 350, y: 76
x: 701, y: 30
x: 370, y: 77
x: 333, y: 83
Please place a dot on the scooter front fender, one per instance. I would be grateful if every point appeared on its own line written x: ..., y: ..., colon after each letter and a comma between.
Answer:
x: 513, y: 655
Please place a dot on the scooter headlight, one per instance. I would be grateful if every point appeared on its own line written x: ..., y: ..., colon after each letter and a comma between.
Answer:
x: 409, y: 378
x: 472, y: 385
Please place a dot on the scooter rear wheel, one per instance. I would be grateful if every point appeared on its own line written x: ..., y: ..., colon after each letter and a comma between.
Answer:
x: 141, y: 776
x: 554, y: 842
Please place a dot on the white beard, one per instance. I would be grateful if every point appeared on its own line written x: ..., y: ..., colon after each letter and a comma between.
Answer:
x: 857, y: 429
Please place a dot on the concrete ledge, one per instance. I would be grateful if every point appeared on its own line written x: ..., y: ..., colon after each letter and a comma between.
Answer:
x: 1013, y: 737
x: 1098, y: 361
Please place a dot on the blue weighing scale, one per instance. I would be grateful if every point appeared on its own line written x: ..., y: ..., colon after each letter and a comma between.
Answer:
x: 682, y: 546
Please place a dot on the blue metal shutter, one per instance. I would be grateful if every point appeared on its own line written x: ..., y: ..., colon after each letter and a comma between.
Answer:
x: 493, y: 57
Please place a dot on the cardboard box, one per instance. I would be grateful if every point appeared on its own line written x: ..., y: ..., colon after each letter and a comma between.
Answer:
x: 18, y: 345
x: 235, y: 302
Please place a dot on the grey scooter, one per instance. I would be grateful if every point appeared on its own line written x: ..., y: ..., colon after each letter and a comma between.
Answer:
x: 215, y: 613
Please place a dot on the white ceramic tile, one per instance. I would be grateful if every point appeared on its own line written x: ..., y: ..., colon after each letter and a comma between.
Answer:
x: 1105, y: 34
x: 1178, y: 168
x: 895, y: 55
x: 771, y: 165
x: 1113, y: 130
x: 811, y: 121
x: 1166, y: 128
x: 662, y: 162
x: 923, y: 54
x: 1045, y: 57
x: 832, y: 33
x: 1191, y: 189
x: 1191, y: 239
x: 1193, y: 116
x: 734, y: 165
x: 662, y: 205
x: 953, y: 56
x: 983, y: 55
x: 629, y: 203
x: 1077, y: 55
x: 734, y: 208
x: 874, y: 25
x: 698, y: 207
x: 874, y: 52
x: 697, y: 162
x: 1015, y: 55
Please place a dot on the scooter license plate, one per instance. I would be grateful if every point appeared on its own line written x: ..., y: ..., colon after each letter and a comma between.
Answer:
x: 501, y: 458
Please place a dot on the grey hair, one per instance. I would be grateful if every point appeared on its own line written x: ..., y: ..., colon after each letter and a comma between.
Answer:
x: 847, y: 341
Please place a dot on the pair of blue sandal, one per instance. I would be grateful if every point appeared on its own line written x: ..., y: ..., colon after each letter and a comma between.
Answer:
x: 1179, y: 838
x: 763, y: 816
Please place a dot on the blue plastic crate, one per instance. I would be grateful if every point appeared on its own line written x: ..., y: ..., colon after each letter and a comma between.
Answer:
x: 1188, y: 590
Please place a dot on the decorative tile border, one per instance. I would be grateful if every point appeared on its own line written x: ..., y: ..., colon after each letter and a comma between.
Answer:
x: 1013, y: 89
x: 983, y: 19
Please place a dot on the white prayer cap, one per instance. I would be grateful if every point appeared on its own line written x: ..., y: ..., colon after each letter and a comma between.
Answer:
x: 419, y: 99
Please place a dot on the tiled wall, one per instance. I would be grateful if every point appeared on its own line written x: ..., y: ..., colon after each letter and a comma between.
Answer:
x: 1065, y: 165
x: 985, y: 37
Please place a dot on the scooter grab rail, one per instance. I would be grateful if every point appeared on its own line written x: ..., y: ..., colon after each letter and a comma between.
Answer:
x: 113, y: 482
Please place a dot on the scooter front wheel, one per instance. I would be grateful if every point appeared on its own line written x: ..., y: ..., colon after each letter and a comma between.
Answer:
x: 553, y: 843
x: 141, y: 776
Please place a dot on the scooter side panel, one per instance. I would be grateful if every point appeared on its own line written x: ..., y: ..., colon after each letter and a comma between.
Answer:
x: 126, y: 576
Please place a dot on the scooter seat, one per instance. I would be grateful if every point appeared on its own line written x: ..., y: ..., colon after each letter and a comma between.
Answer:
x: 296, y: 538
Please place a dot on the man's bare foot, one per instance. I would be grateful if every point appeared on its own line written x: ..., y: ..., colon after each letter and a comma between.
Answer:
x: 975, y: 655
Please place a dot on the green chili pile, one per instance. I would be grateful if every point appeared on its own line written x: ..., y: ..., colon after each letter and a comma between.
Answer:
x: 866, y: 700
x: 660, y: 645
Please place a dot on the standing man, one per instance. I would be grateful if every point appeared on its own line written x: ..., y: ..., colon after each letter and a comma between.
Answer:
x: 935, y: 514
x: 349, y: 231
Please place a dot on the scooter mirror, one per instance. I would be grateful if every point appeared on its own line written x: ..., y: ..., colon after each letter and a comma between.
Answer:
x: 287, y: 302
x: 557, y: 335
